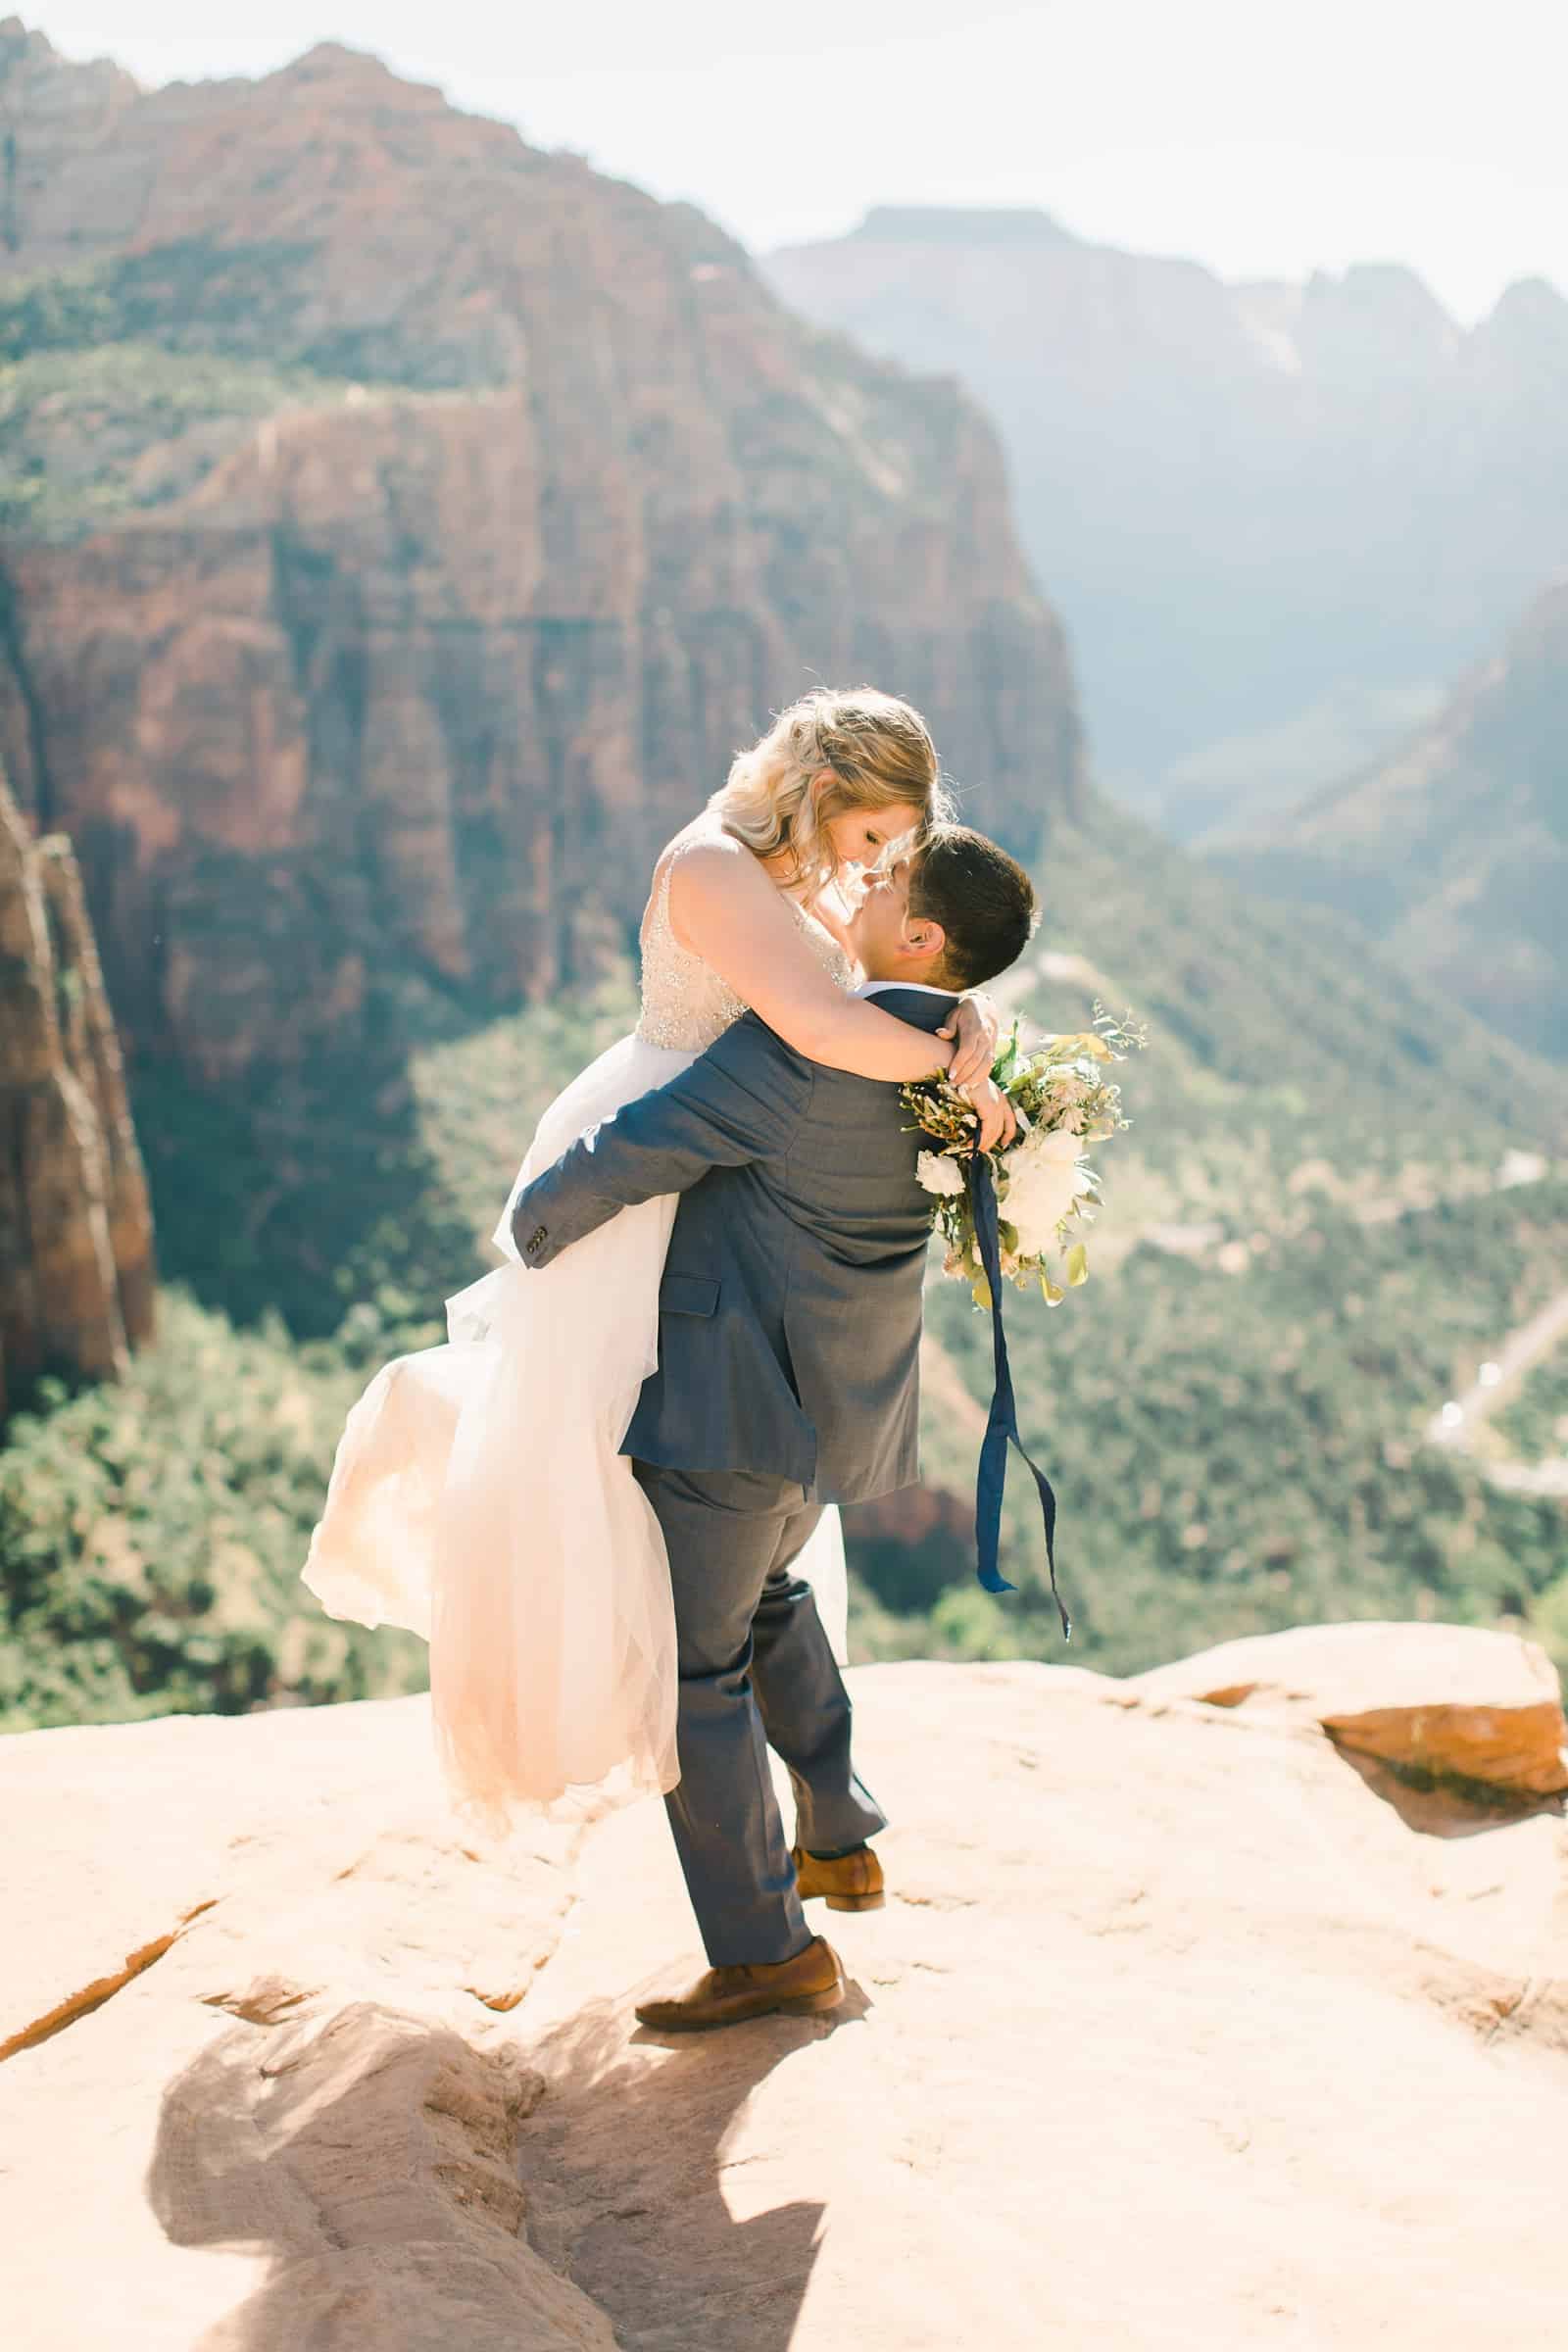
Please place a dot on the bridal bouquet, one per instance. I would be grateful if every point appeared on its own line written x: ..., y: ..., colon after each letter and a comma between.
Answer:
x: 1063, y: 1100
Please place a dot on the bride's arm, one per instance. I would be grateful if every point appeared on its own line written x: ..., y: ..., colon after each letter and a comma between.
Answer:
x: 725, y: 910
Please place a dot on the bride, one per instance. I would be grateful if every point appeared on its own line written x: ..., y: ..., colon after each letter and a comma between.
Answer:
x: 479, y: 1497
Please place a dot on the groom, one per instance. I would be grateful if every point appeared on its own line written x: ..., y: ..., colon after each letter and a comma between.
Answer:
x: 789, y: 1329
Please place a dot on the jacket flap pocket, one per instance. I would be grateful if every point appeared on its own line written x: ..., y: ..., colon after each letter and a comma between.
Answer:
x: 686, y: 1295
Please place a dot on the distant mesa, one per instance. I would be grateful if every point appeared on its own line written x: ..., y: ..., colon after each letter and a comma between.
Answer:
x: 1530, y: 318
x: 1247, y: 500
x: 963, y: 224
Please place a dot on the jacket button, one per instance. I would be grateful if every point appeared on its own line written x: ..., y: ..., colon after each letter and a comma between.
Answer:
x: 536, y: 1240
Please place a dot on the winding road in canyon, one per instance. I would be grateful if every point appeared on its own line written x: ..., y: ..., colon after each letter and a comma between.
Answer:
x: 1458, y: 1422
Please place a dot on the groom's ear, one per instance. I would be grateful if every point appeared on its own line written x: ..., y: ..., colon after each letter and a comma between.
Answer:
x: 924, y: 940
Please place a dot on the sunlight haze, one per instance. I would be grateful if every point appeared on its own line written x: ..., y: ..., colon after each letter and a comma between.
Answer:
x: 1258, y: 141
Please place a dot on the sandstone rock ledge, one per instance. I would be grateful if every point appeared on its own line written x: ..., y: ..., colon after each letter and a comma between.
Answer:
x: 1177, y: 2032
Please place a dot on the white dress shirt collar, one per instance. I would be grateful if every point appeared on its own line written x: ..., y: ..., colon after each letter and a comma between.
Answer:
x: 872, y: 988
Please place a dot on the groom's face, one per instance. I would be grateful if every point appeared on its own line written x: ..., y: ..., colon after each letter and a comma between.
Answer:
x: 887, y: 946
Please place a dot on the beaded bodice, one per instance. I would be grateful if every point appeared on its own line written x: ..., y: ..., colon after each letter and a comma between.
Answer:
x: 685, y: 1005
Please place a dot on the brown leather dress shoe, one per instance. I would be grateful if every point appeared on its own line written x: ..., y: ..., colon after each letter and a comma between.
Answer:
x: 726, y: 1996
x: 852, y: 1883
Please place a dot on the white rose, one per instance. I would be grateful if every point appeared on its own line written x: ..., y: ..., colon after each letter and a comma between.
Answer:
x: 1044, y: 1179
x: 939, y: 1174
x: 1054, y: 1143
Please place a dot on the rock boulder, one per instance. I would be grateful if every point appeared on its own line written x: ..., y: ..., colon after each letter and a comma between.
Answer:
x: 1446, y: 1701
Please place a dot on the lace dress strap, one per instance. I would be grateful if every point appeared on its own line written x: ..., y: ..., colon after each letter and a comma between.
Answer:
x: 658, y: 917
x: 685, y: 1005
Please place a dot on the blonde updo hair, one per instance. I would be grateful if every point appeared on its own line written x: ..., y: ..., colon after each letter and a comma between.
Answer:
x: 880, y: 751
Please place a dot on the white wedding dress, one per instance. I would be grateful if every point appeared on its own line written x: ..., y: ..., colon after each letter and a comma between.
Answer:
x: 478, y: 1496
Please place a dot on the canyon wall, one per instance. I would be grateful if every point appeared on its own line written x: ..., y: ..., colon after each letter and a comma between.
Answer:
x: 76, y: 1237
x: 412, y: 525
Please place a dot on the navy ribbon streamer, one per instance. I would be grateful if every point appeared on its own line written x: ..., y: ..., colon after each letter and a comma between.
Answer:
x: 1002, y: 1430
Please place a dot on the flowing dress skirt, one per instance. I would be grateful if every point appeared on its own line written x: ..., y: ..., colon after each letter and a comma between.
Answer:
x: 479, y: 1498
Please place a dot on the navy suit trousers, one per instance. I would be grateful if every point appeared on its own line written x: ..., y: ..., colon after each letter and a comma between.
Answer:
x: 756, y: 1671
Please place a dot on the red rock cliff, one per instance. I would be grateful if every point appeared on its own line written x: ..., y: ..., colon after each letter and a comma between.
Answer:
x: 490, y: 507
x: 76, y: 1237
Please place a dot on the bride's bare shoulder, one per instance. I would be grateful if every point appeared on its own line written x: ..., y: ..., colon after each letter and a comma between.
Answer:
x: 703, y: 864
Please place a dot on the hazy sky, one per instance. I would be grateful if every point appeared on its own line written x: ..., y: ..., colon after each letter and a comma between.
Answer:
x: 1259, y: 138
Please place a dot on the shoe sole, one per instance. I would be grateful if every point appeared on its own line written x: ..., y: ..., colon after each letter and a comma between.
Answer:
x: 805, y: 2004
x: 854, y: 1903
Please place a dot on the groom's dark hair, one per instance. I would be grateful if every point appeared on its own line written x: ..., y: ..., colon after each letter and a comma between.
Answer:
x: 981, y: 897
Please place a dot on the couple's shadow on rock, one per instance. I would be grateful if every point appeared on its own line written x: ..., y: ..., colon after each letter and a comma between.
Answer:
x: 626, y: 2170
x: 409, y: 2190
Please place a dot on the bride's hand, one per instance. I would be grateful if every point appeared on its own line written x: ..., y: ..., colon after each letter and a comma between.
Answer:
x: 977, y: 1027
x: 998, y: 1122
